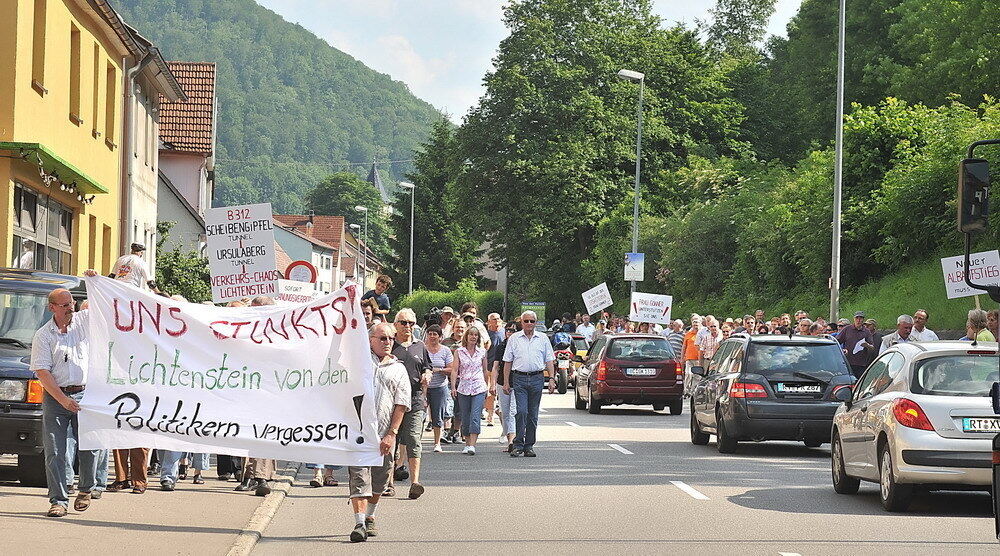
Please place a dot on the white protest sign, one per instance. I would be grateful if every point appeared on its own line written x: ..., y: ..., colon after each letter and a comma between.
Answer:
x: 984, y: 268
x: 292, y: 292
x: 282, y: 382
x: 241, y: 252
x: 597, y: 298
x: 650, y: 307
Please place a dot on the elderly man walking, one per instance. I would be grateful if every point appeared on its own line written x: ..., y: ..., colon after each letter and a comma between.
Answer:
x: 904, y: 326
x: 854, y: 339
x: 413, y: 354
x: 60, y: 357
x: 528, y: 359
x: 392, y: 401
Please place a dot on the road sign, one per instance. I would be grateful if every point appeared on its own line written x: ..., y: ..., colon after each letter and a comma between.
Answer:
x: 301, y: 271
x: 241, y: 252
x: 597, y: 298
x: 291, y: 292
x: 984, y: 268
x: 650, y: 307
x: 635, y: 264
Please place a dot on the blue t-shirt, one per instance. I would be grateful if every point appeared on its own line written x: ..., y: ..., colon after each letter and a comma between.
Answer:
x: 382, y: 300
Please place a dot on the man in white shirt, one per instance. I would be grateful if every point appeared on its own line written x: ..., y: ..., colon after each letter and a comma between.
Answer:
x: 528, y: 358
x: 132, y: 269
x: 904, y: 327
x: 586, y: 328
x: 920, y: 331
x: 59, y: 358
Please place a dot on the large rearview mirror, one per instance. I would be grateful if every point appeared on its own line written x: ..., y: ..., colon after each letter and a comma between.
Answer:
x: 973, y: 195
x: 844, y: 395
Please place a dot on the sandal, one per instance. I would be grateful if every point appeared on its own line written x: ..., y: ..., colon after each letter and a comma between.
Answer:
x: 198, y: 480
x: 330, y: 482
x: 315, y: 483
x: 82, y: 502
x: 119, y: 486
x: 57, y: 510
x: 138, y: 490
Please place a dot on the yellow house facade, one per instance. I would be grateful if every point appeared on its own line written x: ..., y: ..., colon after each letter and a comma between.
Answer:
x: 63, y: 79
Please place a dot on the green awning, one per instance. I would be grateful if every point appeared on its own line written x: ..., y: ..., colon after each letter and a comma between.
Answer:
x: 51, y: 162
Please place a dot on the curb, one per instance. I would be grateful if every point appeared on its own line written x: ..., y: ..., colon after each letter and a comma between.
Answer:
x: 261, y: 518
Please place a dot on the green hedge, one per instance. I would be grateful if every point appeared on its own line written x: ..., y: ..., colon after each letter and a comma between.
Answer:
x: 422, y: 301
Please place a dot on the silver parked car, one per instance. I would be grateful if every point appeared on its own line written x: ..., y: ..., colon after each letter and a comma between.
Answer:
x: 921, y: 415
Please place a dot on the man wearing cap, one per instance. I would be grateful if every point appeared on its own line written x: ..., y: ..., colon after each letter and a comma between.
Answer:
x: 854, y: 339
x: 447, y: 314
x: 132, y: 269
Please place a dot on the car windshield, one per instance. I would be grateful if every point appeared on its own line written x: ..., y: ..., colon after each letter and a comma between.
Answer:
x: 640, y: 349
x: 955, y: 375
x: 767, y: 359
x: 21, y: 314
x: 579, y: 344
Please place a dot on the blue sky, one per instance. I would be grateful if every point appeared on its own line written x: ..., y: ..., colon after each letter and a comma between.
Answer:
x: 442, y: 48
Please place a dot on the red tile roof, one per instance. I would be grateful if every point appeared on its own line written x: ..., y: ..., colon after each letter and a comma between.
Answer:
x: 187, y: 126
x: 328, y: 229
x: 348, y: 264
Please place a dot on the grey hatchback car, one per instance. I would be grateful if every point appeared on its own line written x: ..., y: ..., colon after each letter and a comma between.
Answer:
x: 920, y: 417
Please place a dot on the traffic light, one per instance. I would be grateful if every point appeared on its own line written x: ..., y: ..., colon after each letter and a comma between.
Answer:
x: 973, y: 195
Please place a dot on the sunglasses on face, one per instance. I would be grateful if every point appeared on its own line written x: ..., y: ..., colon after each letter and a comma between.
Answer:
x: 384, y: 338
x: 406, y: 322
x: 527, y: 321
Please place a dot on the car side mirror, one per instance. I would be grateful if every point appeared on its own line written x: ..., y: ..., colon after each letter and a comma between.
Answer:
x: 578, y: 358
x: 973, y: 195
x: 845, y: 395
x: 698, y: 370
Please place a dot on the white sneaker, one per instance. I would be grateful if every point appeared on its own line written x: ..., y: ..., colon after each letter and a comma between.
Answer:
x: 437, y: 448
x: 502, y: 440
x: 466, y: 449
x: 472, y: 450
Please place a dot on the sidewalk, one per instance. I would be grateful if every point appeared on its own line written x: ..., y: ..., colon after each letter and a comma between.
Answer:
x: 194, y: 519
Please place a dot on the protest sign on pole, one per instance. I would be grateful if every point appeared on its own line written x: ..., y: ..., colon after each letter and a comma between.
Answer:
x: 241, y: 252
x: 984, y: 268
x: 635, y: 267
x: 283, y: 382
x: 291, y: 292
x: 597, y: 298
x: 537, y: 306
x: 650, y: 307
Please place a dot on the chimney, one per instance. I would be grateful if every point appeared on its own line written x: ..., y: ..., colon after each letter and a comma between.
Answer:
x: 309, y: 224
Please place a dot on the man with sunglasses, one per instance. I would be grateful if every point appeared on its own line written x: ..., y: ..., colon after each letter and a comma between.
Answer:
x: 60, y: 358
x: 413, y: 354
x: 528, y: 359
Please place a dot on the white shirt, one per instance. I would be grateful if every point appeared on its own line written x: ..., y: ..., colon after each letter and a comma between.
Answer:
x: 587, y: 329
x: 528, y: 355
x: 392, y: 388
x: 65, y: 356
x: 927, y: 335
x: 132, y: 270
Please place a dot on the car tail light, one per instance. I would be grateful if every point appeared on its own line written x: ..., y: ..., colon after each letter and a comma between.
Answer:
x: 678, y: 369
x: 909, y: 414
x: 602, y: 370
x: 35, y: 391
x: 747, y: 390
x: 981, y: 352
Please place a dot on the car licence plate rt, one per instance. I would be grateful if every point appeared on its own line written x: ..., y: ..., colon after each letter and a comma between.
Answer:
x: 975, y: 424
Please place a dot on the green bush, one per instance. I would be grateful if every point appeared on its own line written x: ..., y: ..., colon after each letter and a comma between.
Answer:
x: 422, y: 301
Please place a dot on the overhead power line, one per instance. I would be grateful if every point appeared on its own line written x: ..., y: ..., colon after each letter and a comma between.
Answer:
x: 304, y: 163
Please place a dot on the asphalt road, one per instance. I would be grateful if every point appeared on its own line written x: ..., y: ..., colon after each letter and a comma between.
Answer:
x: 629, y: 479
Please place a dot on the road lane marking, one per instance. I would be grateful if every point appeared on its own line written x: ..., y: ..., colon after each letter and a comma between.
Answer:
x: 572, y: 424
x: 688, y: 489
x: 542, y: 409
x: 620, y: 449
x: 789, y: 554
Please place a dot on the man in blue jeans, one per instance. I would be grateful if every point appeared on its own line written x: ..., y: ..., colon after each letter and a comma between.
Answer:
x: 59, y: 357
x: 528, y: 360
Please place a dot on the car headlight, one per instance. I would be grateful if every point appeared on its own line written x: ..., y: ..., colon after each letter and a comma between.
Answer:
x: 13, y: 390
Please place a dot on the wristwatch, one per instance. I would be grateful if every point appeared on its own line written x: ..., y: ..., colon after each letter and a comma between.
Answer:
x: 394, y: 431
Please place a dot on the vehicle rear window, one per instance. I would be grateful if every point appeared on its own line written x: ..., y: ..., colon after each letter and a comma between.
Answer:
x: 955, y: 375
x: 766, y: 359
x: 579, y: 344
x: 21, y: 314
x: 640, y: 349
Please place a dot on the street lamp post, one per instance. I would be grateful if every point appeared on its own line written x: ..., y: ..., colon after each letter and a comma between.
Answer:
x: 364, y: 264
x: 630, y: 75
x: 413, y: 200
x: 838, y: 173
x: 356, y: 229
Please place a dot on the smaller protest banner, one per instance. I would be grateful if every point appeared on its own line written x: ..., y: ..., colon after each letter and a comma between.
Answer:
x: 635, y: 267
x: 293, y: 291
x: 597, y: 298
x: 650, y: 307
x: 984, y: 268
x: 241, y: 252
x: 537, y: 306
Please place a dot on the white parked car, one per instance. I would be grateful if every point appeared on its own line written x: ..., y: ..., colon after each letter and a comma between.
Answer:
x: 920, y: 416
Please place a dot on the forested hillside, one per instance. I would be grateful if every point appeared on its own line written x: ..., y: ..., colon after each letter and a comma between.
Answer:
x: 290, y: 105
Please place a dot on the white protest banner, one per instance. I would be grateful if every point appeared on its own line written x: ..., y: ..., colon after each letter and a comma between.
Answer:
x: 293, y: 291
x: 241, y: 252
x: 984, y: 268
x: 597, y: 298
x: 283, y: 382
x: 650, y: 307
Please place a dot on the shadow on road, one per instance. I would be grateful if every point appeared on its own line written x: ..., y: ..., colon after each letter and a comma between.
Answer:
x: 823, y: 500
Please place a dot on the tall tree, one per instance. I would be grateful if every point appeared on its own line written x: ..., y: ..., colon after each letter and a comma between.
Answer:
x: 739, y: 26
x: 339, y: 193
x: 444, y: 252
x: 552, y: 140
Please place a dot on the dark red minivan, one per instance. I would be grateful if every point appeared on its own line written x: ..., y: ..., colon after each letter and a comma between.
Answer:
x: 635, y: 369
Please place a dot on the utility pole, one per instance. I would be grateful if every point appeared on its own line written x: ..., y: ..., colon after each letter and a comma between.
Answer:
x: 838, y: 171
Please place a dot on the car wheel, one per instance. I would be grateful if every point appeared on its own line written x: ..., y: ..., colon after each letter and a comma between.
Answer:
x: 812, y: 443
x: 842, y: 483
x: 677, y: 406
x: 561, y: 380
x: 31, y: 470
x: 578, y: 402
x: 593, y: 405
x: 698, y: 438
x: 659, y: 407
x: 723, y: 441
x: 895, y: 497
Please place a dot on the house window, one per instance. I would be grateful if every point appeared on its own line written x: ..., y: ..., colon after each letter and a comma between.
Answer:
x: 109, y: 107
x: 74, y: 75
x: 38, y: 47
x: 43, y: 232
x: 97, y: 92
